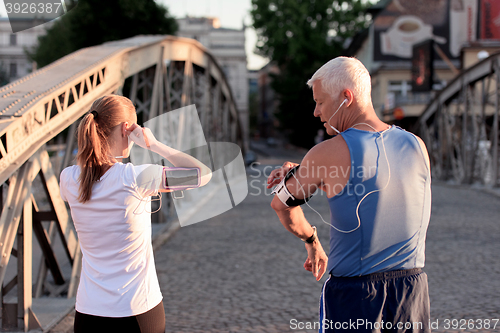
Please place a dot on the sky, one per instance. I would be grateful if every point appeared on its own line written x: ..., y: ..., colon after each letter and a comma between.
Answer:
x: 231, y: 13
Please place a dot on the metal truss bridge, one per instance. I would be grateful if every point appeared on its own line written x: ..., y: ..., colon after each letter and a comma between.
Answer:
x: 460, y: 126
x: 159, y: 74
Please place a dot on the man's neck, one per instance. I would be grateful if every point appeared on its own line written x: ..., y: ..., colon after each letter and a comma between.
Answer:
x: 366, y: 120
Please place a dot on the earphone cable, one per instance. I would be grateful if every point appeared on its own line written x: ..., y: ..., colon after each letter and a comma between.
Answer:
x: 359, y: 203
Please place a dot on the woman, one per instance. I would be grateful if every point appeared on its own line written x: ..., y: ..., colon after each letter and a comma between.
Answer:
x: 118, y: 290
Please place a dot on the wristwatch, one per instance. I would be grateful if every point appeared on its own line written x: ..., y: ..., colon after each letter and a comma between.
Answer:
x: 311, y: 239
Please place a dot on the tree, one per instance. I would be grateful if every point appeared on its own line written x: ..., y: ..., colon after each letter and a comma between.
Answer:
x: 300, y: 36
x: 93, y: 22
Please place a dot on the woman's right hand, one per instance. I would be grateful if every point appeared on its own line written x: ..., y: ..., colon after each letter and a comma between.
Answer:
x: 142, y: 136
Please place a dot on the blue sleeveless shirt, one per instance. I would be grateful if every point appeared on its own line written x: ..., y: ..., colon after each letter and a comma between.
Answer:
x: 393, y: 219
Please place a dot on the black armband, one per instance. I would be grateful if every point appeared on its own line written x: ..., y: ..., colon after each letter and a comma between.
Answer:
x: 284, y: 195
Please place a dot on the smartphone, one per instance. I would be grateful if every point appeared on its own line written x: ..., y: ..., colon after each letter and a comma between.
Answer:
x: 181, y: 178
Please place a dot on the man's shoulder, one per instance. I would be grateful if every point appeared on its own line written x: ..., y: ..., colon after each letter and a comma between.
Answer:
x: 411, y: 137
x: 420, y: 145
x: 328, y: 152
x: 329, y: 145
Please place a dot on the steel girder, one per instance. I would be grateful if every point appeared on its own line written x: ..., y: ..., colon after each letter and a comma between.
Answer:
x: 158, y: 73
x: 460, y: 126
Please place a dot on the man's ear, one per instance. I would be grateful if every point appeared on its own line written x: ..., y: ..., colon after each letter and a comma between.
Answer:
x: 347, y: 94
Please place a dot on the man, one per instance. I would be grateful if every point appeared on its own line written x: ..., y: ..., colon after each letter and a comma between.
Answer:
x: 377, y: 181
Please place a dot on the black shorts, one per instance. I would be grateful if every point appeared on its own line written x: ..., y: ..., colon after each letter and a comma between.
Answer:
x: 395, y: 301
x: 152, y: 321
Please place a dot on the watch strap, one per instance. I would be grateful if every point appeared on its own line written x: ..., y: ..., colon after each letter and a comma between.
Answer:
x: 313, y: 237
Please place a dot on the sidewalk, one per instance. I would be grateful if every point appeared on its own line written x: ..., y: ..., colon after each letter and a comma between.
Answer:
x: 242, y: 271
x: 277, y: 153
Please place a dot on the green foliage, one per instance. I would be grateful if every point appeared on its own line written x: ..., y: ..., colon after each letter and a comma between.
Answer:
x: 300, y: 36
x: 94, y: 22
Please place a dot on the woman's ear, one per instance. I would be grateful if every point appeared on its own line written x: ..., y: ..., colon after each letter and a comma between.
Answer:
x: 124, y: 128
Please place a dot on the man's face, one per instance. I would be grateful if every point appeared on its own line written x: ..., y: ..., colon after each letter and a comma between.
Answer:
x: 325, y: 107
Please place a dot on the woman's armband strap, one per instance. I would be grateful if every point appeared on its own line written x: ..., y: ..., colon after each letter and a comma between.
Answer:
x: 176, y: 179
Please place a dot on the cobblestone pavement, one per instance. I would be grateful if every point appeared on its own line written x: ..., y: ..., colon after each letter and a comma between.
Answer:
x: 463, y: 259
x: 242, y: 271
x: 238, y: 272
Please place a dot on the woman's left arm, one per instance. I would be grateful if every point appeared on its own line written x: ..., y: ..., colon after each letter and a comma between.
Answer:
x: 145, y: 139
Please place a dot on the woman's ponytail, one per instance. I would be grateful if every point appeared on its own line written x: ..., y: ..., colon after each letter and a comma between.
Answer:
x: 94, y: 153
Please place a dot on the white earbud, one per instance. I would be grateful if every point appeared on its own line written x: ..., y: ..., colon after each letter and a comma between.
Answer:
x: 333, y: 128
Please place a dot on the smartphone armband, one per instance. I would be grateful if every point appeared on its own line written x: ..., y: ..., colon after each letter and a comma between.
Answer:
x: 178, y: 179
x: 284, y: 195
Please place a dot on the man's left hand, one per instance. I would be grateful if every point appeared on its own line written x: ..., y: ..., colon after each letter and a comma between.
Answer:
x: 278, y: 174
x: 316, y: 259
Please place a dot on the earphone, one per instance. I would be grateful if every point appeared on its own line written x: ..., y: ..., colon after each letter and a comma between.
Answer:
x: 146, y: 200
x: 364, y: 197
x: 328, y: 122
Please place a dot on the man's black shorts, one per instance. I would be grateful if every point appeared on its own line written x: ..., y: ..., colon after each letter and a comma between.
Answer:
x: 395, y: 301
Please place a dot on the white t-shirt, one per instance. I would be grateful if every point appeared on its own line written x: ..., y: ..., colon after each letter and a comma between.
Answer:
x: 118, y: 277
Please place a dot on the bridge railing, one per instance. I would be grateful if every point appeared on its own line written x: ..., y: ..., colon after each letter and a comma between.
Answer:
x: 460, y: 126
x: 159, y: 74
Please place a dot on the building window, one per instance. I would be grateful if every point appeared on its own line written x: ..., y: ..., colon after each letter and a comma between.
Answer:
x: 13, y: 39
x: 399, y: 88
x: 13, y: 70
x: 399, y: 93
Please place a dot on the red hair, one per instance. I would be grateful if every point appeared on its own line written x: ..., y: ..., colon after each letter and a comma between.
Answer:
x: 94, y: 153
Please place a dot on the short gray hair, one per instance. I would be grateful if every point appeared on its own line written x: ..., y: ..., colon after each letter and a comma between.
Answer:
x: 344, y: 73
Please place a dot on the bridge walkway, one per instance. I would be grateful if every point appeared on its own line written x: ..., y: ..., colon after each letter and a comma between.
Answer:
x: 242, y: 271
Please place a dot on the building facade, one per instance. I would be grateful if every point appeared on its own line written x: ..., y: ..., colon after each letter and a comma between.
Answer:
x: 228, y: 47
x: 268, y: 102
x: 14, y: 62
x: 452, y: 28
